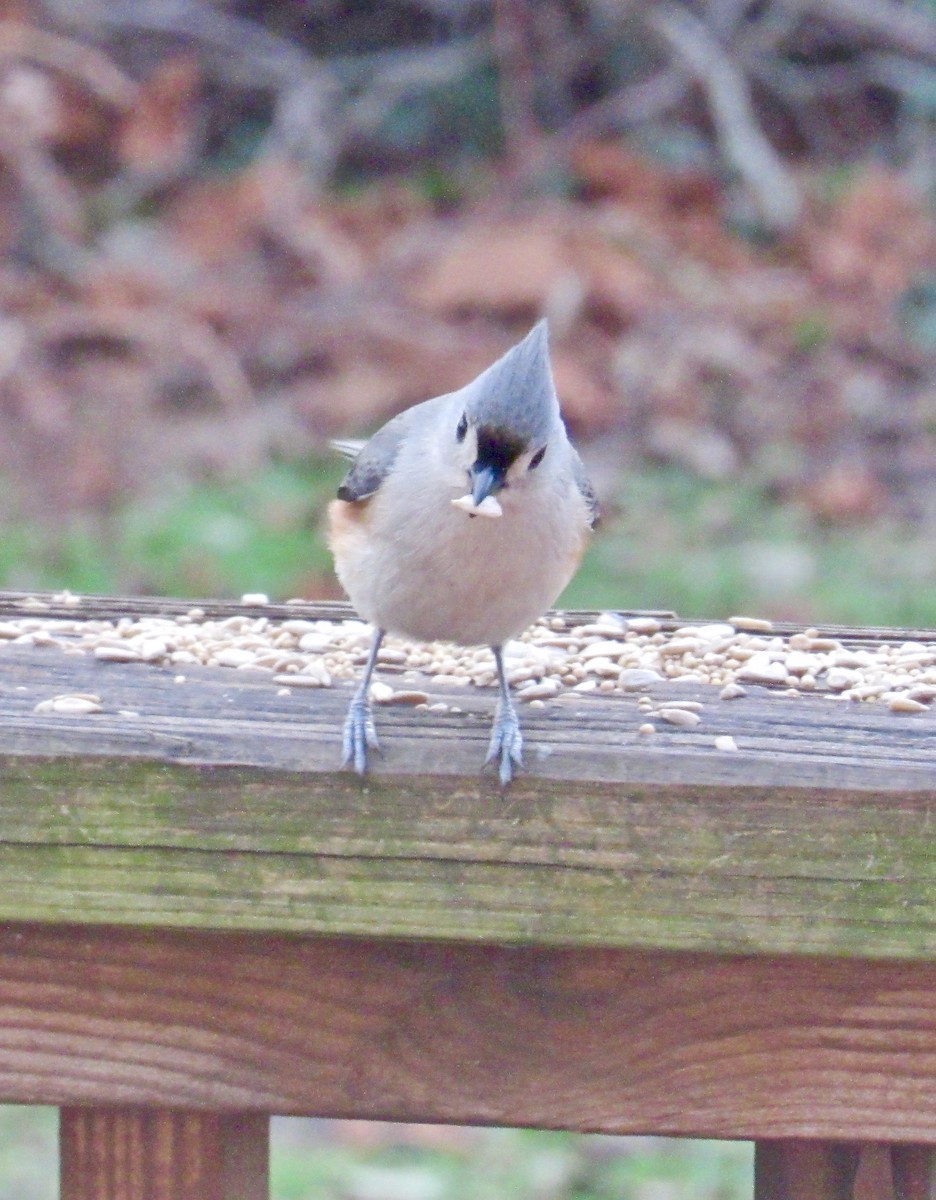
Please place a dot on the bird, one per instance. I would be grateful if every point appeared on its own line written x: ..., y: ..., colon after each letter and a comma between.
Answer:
x: 461, y: 520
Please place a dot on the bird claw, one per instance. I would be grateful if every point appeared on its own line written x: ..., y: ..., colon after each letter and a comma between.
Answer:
x: 506, y: 746
x: 359, y: 734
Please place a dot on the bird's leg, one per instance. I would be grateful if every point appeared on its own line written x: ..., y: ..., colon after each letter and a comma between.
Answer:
x: 359, y: 733
x: 506, y: 740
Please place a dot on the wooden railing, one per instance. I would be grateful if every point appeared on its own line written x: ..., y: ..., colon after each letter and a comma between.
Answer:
x: 204, y: 922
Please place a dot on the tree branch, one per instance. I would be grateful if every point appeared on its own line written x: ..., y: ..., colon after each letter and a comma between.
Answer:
x: 741, y: 139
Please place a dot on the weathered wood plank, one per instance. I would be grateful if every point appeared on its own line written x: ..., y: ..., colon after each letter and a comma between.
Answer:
x: 168, y: 846
x: 218, y: 806
x: 220, y: 715
x: 127, y: 1153
x: 625, y: 1042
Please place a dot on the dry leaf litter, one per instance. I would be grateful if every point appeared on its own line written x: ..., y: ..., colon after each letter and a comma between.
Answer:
x: 613, y: 654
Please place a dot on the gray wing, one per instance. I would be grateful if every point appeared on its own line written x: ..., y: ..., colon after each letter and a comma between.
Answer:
x: 585, y: 487
x: 376, y: 457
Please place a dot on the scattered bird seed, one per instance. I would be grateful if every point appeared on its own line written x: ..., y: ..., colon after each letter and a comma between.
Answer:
x: 761, y: 668
x: 751, y: 624
x: 411, y: 697
x: 121, y: 654
x: 611, y: 654
x: 603, y: 666
x: 905, y: 704
x: 72, y: 704
x: 297, y: 680
x: 644, y: 625
x: 232, y: 656
x: 632, y: 679
x: 600, y: 649
x: 540, y: 691
x: 679, y: 716
x: 840, y: 678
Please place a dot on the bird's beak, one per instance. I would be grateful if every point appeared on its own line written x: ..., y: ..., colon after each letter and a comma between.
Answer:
x: 485, y: 481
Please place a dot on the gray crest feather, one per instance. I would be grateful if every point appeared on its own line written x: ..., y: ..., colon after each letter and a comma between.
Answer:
x: 517, y: 393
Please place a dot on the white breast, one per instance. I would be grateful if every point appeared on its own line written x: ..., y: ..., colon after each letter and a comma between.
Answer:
x: 423, y: 568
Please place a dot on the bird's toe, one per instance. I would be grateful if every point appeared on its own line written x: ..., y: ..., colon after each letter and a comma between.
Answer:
x: 506, y: 746
x: 359, y: 736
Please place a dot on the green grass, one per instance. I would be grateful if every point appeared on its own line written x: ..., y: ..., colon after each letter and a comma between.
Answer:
x: 213, y: 539
x: 505, y: 1164
x: 706, y: 549
x: 28, y: 1152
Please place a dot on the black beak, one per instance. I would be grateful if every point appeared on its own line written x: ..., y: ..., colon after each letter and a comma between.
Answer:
x: 485, y: 481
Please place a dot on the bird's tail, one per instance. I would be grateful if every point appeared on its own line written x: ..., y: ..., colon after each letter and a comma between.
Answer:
x: 348, y: 448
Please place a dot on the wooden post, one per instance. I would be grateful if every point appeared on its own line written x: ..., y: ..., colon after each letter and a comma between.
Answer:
x: 800, y: 1170
x: 914, y: 1170
x: 875, y: 1178
x: 162, y: 1154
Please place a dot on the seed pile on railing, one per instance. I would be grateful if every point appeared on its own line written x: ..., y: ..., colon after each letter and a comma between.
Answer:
x: 606, y: 653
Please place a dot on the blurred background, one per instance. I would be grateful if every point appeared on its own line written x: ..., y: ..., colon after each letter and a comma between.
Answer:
x: 233, y: 229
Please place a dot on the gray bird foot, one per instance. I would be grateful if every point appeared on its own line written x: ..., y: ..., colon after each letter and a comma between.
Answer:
x: 359, y: 734
x: 506, y: 746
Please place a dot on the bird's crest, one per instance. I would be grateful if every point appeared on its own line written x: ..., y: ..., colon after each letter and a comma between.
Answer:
x: 517, y: 394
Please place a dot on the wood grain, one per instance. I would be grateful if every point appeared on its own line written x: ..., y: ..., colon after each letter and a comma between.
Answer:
x: 218, y: 806
x: 778, y: 870
x: 126, y: 1153
x: 623, y: 1042
x: 626, y: 941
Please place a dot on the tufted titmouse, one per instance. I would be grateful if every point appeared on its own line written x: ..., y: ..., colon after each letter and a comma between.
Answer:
x: 421, y: 556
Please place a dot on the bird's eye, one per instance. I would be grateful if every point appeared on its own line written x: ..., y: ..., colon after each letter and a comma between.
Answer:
x: 537, y: 458
x: 462, y: 428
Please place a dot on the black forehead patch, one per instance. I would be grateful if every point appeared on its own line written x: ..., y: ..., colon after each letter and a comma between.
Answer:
x: 498, y: 448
